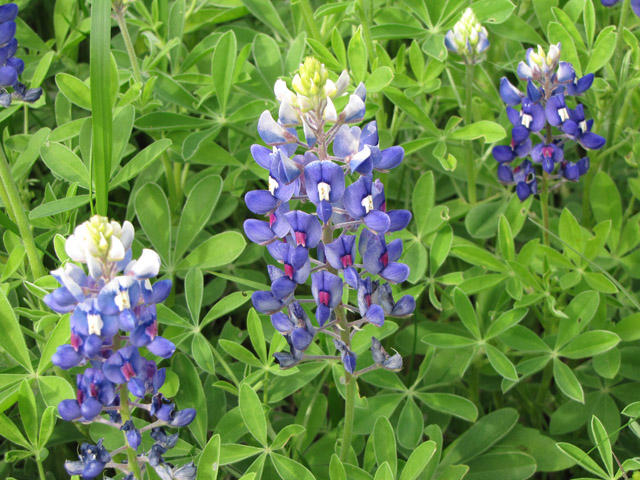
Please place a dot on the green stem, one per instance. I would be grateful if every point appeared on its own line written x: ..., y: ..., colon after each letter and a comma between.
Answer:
x: 351, y: 388
x: 307, y: 15
x: 41, y: 470
x: 544, y: 196
x: 471, y: 168
x: 14, y: 207
x: 547, y: 375
x: 620, y: 37
x: 125, y: 412
x: 122, y: 24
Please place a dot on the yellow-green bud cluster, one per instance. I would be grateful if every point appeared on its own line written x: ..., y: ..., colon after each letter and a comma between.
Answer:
x: 546, y: 60
x: 311, y: 79
x: 468, y: 37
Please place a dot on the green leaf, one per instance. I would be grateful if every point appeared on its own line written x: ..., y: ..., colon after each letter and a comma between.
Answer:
x: 466, y: 313
x: 288, y: 468
x: 384, y: 444
x: 75, y: 90
x: 209, y: 461
x: 47, y: 424
x: 336, y: 469
x: 215, y: 252
x: 581, y: 458
x: 191, y: 395
x: 285, y: 434
x: 28, y: 412
x: 571, y: 233
x: 607, y: 205
x: 418, y: 460
x: 201, y: 352
x: 478, y: 256
x: 268, y: 60
x: 407, y: 105
x: 493, y: 11
x: 171, y: 121
x: 264, y: 11
x: 54, y: 390
x: 143, y: 159
x: 384, y: 472
x: 580, y: 312
x: 490, y: 131
x: 504, y: 322
x: 480, y: 437
x: 226, y: 305
x: 448, y: 340
x: 502, y: 465
x: 239, y: 352
x: 12, y: 433
x: 12, y: 340
x: 410, y: 425
x: 424, y: 197
x: 152, y: 209
x: 567, y: 381
x: 256, y: 335
x: 193, y: 290
x: 59, y: 336
x: 231, y: 453
x: 600, y: 282
x: 589, y: 19
x: 223, y: 66
x: 440, y: 248
x: 65, y: 164
x: 603, y: 443
x: 196, y: 212
x: 59, y: 206
x: 450, y: 404
x: 603, y: 49
x: 252, y: 413
x: 505, y: 239
x: 379, y: 79
x: 501, y: 363
x: 357, y: 53
x: 589, y: 344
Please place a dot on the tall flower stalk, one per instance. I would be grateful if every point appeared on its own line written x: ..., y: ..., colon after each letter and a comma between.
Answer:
x: 334, y: 173
x: 469, y: 40
x: 113, y: 316
x: 544, y: 114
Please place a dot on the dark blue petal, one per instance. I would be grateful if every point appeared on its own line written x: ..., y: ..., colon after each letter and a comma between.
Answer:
x: 301, y: 338
x: 183, y: 417
x: 17, y: 64
x: 509, y: 94
x: 405, y: 306
x: 161, y: 347
x: 532, y: 91
x: 592, y: 141
x: 265, y: 302
x: 8, y: 76
x: 394, y: 250
x: 523, y: 191
x: 399, y: 220
x: 258, y: 231
x: 66, y: 357
x: 566, y: 73
x: 503, y: 153
x: 8, y: 12
x: 377, y: 221
x: 262, y: 156
x: 7, y: 32
x: 90, y: 408
x: 261, y: 202
x: 519, y: 134
x: 375, y: 315
x: 351, y: 277
x: 69, y: 410
x: 282, y: 288
x: 395, y: 272
x: 505, y: 174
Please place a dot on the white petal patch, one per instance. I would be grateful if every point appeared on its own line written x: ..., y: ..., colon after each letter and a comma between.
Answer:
x: 324, y: 189
x: 273, y: 185
x: 122, y: 300
x: 95, y: 323
x: 583, y: 126
x: 564, y: 115
x: 526, y: 119
x: 367, y: 203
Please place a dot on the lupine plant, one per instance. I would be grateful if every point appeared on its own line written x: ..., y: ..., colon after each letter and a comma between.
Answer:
x: 112, y: 311
x: 550, y: 84
x: 334, y: 172
x: 279, y: 313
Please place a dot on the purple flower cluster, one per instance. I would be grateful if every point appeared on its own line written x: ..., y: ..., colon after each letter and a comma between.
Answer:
x: 348, y: 216
x: 112, y: 315
x: 635, y: 5
x: 542, y: 108
x: 10, y: 66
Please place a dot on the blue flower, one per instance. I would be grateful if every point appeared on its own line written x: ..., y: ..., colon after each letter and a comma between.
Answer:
x: 354, y: 146
x: 364, y: 202
x: 75, y: 286
x: 573, y: 171
x: 635, y: 5
x: 556, y: 110
x: 262, y: 232
x: 380, y: 259
x: 128, y: 366
x: 327, y: 292
x: 146, y: 333
x: 508, y: 153
x: 325, y: 185
x: 347, y: 356
x: 93, y: 458
x: 291, y: 359
x: 94, y: 392
x: 165, y: 411
x: 119, y: 297
x: 132, y: 433
x: 547, y: 155
x: 185, y: 472
x: 382, y: 358
x: 304, y: 228
x: 369, y: 310
x: 381, y: 295
x: 81, y: 347
x: 579, y: 86
x: 525, y: 180
x: 579, y: 129
x: 296, y: 268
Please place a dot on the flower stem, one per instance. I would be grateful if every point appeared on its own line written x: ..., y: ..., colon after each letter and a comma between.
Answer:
x: 41, y: 470
x: 13, y: 205
x: 471, y: 168
x: 544, y: 196
x: 125, y: 413
x: 122, y: 24
x: 351, y: 384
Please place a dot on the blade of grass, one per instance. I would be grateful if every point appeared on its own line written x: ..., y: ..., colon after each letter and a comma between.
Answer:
x: 101, y: 100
